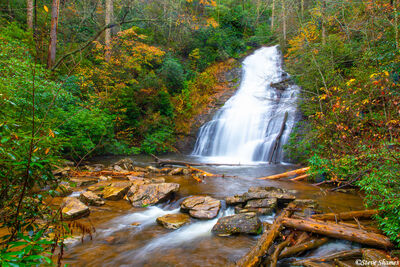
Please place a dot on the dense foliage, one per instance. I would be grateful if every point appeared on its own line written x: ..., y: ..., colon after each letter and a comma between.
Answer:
x: 348, y: 66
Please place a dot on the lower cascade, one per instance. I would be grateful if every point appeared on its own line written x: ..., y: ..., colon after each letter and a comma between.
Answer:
x: 255, y: 123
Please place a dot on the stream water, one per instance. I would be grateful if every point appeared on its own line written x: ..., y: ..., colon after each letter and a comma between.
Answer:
x: 120, y: 241
x: 243, y: 131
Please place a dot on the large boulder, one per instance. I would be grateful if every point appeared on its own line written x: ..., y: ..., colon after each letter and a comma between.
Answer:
x: 246, y: 223
x: 270, y: 203
x: 72, y: 209
x: 99, y: 187
x: 90, y: 198
x: 173, y: 221
x: 201, y: 207
x: 141, y: 195
x: 116, y: 191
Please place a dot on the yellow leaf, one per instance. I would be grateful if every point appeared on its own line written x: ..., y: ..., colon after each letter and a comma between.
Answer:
x: 46, y: 8
x: 51, y: 133
x: 47, y: 150
x: 36, y: 149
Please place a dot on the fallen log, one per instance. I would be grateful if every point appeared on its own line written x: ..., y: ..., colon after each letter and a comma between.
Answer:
x: 339, y: 232
x: 162, y: 162
x: 279, y: 248
x: 302, y: 238
x: 286, y: 174
x: 350, y: 215
x: 292, y: 251
x: 342, y: 255
x: 204, y: 173
x: 300, y: 178
x: 254, y: 256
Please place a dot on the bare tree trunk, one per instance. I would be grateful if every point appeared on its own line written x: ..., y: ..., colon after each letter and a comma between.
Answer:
x: 302, y: 9
x: 29, y: 14
x: 109, y: 18
x: 51, y: 55
x: 284, y: 19
x: 273, y: 15
x: 396, y: 23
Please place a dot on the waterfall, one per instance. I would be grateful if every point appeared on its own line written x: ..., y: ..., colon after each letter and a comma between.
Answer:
x: 246, y: 128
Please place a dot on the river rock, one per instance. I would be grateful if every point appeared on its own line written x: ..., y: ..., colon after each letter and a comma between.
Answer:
x: 125, y: 164
x: 80, y: 181
x: 149, y: 194
x: 90, y: 198
x: 72, y: 208
x: 270, y: 203
x: 99, y: 187
x: 258, y: 211
x: 116, y: 191
x: 201, y: 207
x: 173, y: 221
x: 153, y: 169
x: 247, y: 223
x: 176, y: 171
x: 282, y: 195
x: 94, y: 167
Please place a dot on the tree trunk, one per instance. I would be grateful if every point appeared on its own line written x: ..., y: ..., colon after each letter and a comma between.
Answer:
x: 51, y: 55
x: 350, y: 215
x: 339, y: 232
x: 29, y: 14
x: 292, y: 251
x: 284, y: 19
x: 347, y: 254
x: 108, y: 32
x: 273, y: 15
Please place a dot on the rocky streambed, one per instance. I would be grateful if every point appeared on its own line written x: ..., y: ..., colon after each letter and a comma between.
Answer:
x: 147, y: 216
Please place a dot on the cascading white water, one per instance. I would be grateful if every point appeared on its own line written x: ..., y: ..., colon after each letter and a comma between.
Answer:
x: 246, y: 127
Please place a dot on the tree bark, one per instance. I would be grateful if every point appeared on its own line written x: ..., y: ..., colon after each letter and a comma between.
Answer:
x: 273, y: 15
x: 292, y: 251
x: 339, y: 232
x: 285, y: 174
x: 254, y: 256
x: 51, y: 55
x: 350, y: 215
x: 348, y: 254
x: 29, y: 14
x: 279, y: 248
x: 108, y: 20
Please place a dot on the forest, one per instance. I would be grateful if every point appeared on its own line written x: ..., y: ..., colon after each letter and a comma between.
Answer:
x: 81, y: 80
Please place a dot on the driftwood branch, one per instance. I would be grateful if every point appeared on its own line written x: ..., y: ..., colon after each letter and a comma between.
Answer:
x: 348, y: 254
x: 292, y: 251
x: 350, y: 215
x: 301, y: 171
x: 279, y: 248
x: 163, y: 162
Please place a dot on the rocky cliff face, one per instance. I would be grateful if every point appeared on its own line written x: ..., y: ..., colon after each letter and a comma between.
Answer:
x: 229, y: 81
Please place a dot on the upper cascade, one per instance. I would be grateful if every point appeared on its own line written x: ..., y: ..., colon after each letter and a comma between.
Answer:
x: 255, y: 123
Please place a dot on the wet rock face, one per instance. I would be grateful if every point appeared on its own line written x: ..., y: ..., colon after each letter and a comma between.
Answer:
x: 201, y: 207
x: 261, y: 200
x: 141, y: 195
x: 116, y: 191
x: 173, y: 221
x: 80, y: 181
x: 72, y: 209
x: 246, y: 223
x: 90, y: 198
